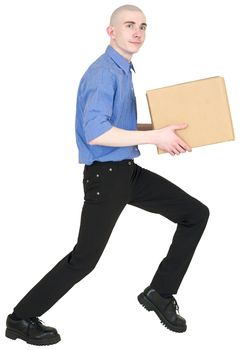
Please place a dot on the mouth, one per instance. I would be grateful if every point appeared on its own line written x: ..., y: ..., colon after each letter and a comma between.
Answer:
x: 135, y: 43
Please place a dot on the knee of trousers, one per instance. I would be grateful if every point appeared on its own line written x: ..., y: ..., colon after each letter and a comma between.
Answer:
x: 199, y: 214
x: 80, y: 266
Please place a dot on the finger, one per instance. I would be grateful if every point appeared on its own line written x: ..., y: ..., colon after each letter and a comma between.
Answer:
x: 179, y: 126
x: 184, y: 145
x: 170, y: 151
x: 180, y: 149
x: 175, y: 150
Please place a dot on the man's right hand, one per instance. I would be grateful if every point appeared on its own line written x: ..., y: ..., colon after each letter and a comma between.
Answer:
x: 167, y: 140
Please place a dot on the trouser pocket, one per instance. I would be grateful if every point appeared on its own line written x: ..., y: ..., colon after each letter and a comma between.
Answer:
x: 98, y: 182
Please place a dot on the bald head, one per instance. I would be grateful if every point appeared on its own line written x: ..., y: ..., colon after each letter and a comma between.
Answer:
x: 116, y: 15
x: 127, y: 30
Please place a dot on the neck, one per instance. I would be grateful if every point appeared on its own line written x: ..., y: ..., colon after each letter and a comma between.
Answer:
x: 125, y: 55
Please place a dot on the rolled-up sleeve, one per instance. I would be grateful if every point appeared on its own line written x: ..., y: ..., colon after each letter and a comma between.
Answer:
x: 98, y: 93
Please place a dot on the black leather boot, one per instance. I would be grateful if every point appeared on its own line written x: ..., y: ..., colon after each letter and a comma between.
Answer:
x: 32, y: 331
x: 165, y: 308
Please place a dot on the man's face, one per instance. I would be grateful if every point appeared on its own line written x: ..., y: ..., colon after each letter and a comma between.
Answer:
x: 128, y: 33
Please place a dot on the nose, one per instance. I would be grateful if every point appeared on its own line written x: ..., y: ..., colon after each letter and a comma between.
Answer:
x: 137, y: 33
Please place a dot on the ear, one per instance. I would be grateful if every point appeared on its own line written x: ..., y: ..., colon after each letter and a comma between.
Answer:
x: 111, y: 32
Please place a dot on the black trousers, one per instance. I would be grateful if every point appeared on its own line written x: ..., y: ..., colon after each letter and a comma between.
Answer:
x: 108, y: 187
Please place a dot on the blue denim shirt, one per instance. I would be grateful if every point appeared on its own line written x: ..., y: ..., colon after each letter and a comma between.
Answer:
x: 105, y: 99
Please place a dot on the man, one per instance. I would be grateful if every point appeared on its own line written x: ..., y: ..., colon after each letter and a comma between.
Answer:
x: 107, y: 139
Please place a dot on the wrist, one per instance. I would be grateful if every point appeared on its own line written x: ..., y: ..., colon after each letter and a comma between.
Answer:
x: 149, y: 136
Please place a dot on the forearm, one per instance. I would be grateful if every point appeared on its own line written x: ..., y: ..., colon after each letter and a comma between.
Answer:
x: 165, y: 138
x: 116, y: 137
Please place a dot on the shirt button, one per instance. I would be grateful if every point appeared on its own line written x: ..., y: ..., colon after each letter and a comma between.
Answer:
x: 98, y: 193
x: 87, y: 180
x: 129, y: 163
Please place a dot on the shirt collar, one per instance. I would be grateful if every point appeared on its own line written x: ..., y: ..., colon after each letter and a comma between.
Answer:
x: 119, y: 59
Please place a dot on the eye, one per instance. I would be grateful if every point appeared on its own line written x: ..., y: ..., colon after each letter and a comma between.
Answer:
x: 143, y: 27
x: 130, y: 25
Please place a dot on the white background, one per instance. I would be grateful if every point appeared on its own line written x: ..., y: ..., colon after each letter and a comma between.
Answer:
x: 45, y: 48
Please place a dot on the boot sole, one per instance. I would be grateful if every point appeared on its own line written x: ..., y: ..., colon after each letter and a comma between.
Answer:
x: 16, y: 335
x: 149, y: 306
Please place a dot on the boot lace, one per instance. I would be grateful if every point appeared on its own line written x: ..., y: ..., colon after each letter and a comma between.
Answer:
x: 35, y: 321
x: 174, y: 302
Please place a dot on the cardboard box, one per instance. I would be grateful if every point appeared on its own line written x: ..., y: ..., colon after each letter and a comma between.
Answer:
x: 202, y: 104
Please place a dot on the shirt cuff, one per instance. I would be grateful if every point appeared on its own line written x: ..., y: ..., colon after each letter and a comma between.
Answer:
x: 91, y: 133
